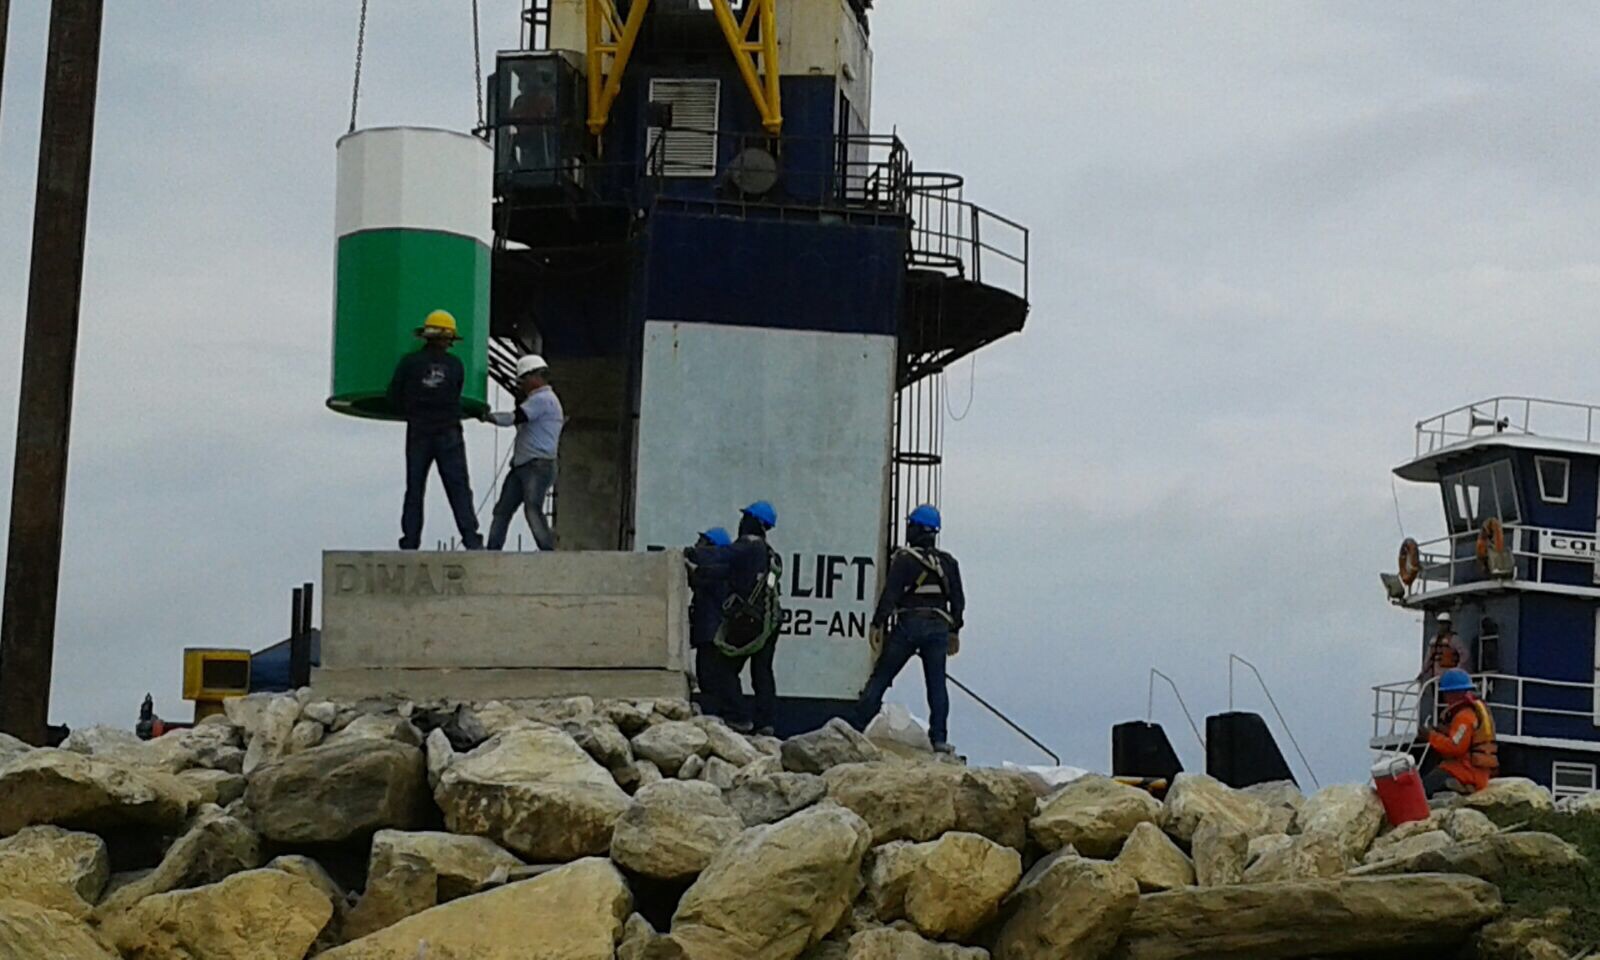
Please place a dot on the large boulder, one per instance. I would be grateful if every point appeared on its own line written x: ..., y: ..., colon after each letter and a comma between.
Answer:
x: 215, y: 786
x: 1465, y: 825
x: 11, y: 748
x: 888, y: 871
x: 214, y: 847
x: 407, y: 886
x: 1525, y: 938
x: 1350, y: 813
x: 29, y: 931
x: 573, y: 913
x: 380, y: 728
x: 214, y: 744
x: 727, y: 743
x: 55, y: 868
x: 340, y: 790
x: 770, y: 797
x: 1154, y: 862
x: 1066, y: 907
x: 1283, y: 799
x: 99, y: 740
x: 830, y: 746
x: 1195, y: 798
x: 462, y: 866
x: 534, y: 791
x: 313, y: 872
x: 889, y: 944
x: 1309, y: 856
x: 1425, y: 915
x: 670, y: 745
x: 1221, y: 851
x: 601, y: 739
x: 267, y: 723
x: 922, y: 801
x: 776, y: 890
x: 1426, y: 841
x: 1510, y: 798
x: 1093, y: 814
x: 72, y: 790
x: 959, y: 883
x: 673, y: 829
x: 1381, y: 848
x: 1490, y: 858
x: 256, y: 915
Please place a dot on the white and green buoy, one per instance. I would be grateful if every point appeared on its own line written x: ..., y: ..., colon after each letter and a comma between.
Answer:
x: 414, y: 225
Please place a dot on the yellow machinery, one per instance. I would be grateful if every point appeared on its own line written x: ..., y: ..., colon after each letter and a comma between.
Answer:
x: 753, y: 41
x: 212, y: 675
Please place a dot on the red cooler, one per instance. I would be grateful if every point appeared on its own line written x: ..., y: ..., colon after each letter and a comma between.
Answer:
x: 1400, y: 788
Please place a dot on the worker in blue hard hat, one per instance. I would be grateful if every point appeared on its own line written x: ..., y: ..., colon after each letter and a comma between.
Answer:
x: 923, y: 600
x: 751, y: 616
x: 1466, y: 745
x: 708, y: 590
x: 426, y: 390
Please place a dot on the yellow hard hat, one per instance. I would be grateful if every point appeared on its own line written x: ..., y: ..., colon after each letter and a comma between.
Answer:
x: 439, y: 323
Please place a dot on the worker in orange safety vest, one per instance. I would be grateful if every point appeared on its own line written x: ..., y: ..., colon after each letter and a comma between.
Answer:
x: 1466, y: 743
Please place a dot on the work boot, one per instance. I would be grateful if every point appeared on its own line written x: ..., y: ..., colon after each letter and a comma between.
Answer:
x: 741, y: 726
x: 944, y: 748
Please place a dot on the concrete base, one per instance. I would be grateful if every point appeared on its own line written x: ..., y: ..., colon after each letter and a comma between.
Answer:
x: 484, y: 626
x: 492, y: 684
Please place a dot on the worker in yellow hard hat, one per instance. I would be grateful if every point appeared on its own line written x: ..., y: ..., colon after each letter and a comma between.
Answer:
x: 426, y: 390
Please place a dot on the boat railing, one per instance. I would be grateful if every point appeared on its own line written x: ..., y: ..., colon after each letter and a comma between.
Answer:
x: 1398, y: 707
x: 1531, y: 416
x: 1451, y: 561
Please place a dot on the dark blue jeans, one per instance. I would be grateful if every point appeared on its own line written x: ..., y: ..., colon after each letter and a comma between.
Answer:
x: 913, y: 636
x: 525, y: 487
x: 720, y: 691
x: 448, y: 449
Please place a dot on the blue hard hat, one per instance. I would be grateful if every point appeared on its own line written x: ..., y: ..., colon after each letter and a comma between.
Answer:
x: 1455, y: 681
x: 927, y: 516
x: 763, y: 511
x: 718, y: 536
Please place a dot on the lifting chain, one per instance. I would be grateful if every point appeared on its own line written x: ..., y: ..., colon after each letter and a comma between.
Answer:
x: 361, y: 43
x: 477, y: 73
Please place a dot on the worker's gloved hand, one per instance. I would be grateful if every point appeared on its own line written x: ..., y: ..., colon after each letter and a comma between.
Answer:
x: 955, y: 642
x: 875, y: 638
x: 502, y: 419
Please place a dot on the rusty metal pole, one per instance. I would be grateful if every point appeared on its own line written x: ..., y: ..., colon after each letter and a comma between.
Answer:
x: 44, y: 414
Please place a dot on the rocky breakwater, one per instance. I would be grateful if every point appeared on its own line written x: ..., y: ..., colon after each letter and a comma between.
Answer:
x: 623, y: 830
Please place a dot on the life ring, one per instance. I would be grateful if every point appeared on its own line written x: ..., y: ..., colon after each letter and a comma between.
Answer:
x: 1410, y: 561
x: 1491, y: 537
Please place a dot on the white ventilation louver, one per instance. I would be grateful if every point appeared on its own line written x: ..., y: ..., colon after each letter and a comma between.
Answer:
x: 690, y: 148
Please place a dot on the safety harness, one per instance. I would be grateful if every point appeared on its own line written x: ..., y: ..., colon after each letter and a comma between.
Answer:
x: 750, y: 622
x: 931, y: 587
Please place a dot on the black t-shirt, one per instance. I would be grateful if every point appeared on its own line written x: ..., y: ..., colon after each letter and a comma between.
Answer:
x: 426, y: 388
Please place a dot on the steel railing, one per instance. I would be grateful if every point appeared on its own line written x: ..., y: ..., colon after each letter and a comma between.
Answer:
x: 1451, y: 560
x: 1534, y: 416
x: 1397, y: 707
x: 955, y: 236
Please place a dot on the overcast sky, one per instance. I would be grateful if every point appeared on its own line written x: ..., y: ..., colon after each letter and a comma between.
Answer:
x: 1267, y: 238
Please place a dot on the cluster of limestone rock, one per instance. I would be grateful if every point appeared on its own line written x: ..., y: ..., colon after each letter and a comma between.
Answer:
x: 622, y: 830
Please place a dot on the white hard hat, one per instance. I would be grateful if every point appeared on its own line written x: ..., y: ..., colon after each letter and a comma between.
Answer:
x: 532, y: 363
x: 1444, y: 617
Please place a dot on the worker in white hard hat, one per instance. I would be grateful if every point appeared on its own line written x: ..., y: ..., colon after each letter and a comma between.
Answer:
x: 426, y: 391
x: 538, y: 418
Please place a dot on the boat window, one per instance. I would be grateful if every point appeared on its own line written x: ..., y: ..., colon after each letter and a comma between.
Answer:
x: 1554, y: 474
x: 1476, y: 495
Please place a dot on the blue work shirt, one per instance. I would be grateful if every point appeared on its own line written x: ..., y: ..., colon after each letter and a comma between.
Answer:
x: 708, y: 585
